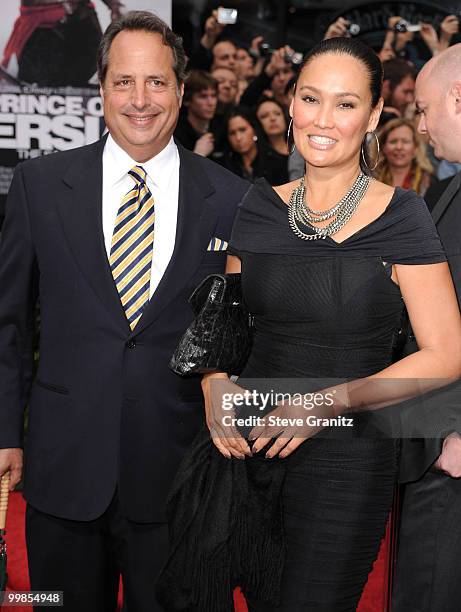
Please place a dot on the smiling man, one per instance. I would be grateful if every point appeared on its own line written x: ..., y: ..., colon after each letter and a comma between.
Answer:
x: 427, y: 577
x: 112, y: 238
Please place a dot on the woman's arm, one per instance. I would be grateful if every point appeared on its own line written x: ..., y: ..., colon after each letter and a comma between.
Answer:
x: 226, y: 440
x: 433, y: 310
x: 430, y: 299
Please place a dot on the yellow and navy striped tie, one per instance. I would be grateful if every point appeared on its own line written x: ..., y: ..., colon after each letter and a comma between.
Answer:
x: 131, y: 248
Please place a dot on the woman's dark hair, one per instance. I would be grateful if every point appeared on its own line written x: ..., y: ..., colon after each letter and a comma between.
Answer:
x: 245, y: 114
x: 355, y: 48
x: 143, y: 21
x: 265, y: 99
x: 364, y: 54
x: 232, y: 159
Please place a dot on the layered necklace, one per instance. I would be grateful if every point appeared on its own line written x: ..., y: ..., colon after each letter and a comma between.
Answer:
x: 300, y: 213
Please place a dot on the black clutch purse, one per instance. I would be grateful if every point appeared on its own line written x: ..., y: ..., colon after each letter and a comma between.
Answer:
x: 219, y: 338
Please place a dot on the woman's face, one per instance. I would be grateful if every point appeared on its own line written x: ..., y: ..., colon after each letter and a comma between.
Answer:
x: 332, y: 111
x: 241, y: 135
x: 271, y: 118
x: 400, y: 147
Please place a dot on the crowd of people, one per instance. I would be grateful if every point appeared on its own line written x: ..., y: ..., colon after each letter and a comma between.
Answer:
x: 237, y: 100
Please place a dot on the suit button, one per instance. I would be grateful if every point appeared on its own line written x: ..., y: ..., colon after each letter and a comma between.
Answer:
x: 131, y: 343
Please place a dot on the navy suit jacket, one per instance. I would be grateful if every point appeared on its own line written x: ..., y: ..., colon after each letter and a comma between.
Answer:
x: 418, y: 454
x: 104, y: 409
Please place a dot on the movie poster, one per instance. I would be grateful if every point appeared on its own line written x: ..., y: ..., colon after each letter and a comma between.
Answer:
x: 49, y: 95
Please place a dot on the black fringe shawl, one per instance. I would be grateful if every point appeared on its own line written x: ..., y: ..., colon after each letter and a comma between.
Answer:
x: 225, y: 519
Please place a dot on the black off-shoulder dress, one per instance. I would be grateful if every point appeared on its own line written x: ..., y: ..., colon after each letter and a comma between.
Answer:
x: 327, y: 309
x: 302, y: 532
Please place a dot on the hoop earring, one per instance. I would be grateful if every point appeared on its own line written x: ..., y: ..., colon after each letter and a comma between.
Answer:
x: 289, y: 136
x: 363, y: 154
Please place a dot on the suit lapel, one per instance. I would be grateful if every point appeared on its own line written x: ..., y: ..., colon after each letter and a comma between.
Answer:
x: 446, y: 197
x: 80, y: 212
x: 196, y: 222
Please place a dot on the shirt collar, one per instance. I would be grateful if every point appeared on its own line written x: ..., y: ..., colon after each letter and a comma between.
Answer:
x: 117, y: 164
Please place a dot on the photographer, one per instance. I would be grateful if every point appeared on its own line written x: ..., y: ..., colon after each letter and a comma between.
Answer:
x: 401, y: 39
x: 211, y: 53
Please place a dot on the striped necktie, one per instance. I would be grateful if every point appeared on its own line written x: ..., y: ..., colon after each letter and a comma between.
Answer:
x: 131, y: 248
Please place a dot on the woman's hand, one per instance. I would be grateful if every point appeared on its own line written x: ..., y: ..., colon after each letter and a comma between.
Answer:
x: 218, y: 389
x: 292, y: 423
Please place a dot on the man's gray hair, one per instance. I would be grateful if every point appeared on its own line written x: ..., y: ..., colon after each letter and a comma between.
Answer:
x: 146, y: 22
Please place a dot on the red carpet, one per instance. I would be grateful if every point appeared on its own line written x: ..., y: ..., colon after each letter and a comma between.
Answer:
x: 374, y: 598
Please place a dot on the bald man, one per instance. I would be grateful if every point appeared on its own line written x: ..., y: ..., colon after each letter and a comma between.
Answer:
x: 428, y: 570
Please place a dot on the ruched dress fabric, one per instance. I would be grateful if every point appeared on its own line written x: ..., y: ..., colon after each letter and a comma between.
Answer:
x: 327, y: 309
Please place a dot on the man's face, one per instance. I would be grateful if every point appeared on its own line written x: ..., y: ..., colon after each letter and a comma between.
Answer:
x: 140, y: 94
x: 227, y: 85
x: 203, y: 104
x: 438, y: 118
x: 224, y: 55
x: 403, y: 94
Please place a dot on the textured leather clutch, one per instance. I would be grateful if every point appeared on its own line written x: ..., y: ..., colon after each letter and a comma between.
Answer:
x: 219, y: 338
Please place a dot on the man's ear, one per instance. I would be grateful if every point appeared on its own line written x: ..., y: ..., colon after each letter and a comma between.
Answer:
x: 455, y: 93
x: 101, y: 92
x: 181, y: 95
x: 386, y: 90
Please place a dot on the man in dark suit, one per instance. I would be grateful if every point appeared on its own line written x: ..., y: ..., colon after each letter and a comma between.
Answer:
x: 111, y: 238
x: 428, y: 575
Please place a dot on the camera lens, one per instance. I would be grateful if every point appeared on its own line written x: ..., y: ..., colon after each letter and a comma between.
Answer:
x: 401, y: 26
x: 264, y: 49
x: 354, y: 29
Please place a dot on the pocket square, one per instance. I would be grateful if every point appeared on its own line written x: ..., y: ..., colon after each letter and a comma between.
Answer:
x: 217, y: 244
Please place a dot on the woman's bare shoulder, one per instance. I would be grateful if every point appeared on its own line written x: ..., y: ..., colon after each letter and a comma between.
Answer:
x: 381, y: 190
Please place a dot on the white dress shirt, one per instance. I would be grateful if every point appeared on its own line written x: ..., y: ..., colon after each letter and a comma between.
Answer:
x: 163, y: 182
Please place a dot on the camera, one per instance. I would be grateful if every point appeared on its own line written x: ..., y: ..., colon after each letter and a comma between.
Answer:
x: 227, y: 16
x: 403, y: 26
x: 353, y: 29
x: 294, y: 58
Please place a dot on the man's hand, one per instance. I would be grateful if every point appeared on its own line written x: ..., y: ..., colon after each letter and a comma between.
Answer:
x: 254, y: 47
x: 278, y: 61
x: 450, y: 459
x: 11, y: 461
x: 448, y: 28
x: 212, y: 30
x: 429, y: 35
x: 204, y: 145
x: 337, y: 28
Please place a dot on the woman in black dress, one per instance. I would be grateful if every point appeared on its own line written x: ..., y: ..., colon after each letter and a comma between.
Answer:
x: 330, y: 308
